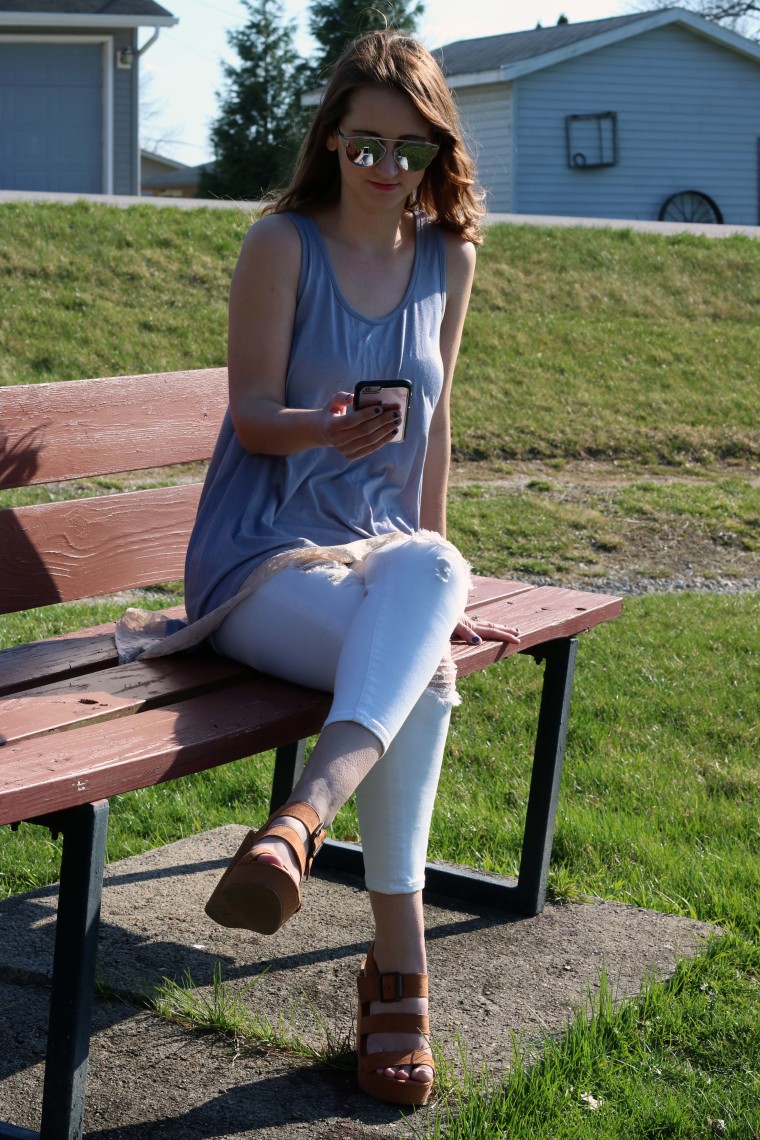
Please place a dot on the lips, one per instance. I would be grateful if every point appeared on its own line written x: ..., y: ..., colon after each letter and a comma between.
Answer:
x: 385, y: 185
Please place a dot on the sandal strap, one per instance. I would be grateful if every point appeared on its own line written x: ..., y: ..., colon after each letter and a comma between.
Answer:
x: 391, y: 987
x: 306, y: 815
x: 394, y: 1023
x: 370, y: 1062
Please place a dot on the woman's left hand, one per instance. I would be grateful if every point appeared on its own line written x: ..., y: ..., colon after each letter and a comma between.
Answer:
x: 472, y: 630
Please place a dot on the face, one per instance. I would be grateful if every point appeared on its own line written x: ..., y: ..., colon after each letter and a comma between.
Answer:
x: 388, y: 115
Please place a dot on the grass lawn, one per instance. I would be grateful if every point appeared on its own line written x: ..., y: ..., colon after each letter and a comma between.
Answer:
x: 605, y: 410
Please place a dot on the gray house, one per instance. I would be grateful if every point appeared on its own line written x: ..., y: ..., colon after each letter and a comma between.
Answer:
x: 652, y: 115
x: 69, y: 75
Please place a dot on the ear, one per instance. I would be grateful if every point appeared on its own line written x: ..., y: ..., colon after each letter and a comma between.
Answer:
x: 331, y: 142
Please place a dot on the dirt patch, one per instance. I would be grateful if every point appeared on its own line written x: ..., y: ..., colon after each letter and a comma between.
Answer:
x: 666, y: 550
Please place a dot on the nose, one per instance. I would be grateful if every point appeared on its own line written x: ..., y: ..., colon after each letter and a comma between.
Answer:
x: 388, y: 164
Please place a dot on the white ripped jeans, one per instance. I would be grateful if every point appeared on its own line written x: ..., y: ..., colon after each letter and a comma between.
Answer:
x: 376, y: 635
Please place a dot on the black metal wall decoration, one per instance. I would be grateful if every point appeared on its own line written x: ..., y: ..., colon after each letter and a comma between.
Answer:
x: 592, y: 140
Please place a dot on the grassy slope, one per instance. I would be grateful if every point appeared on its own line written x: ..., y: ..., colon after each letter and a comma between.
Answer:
x: 648, y: 345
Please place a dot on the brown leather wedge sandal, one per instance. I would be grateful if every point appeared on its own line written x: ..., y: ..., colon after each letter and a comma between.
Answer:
x: 252, y: 895
x: 374, y: 986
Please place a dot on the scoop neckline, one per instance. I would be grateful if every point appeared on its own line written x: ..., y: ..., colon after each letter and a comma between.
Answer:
x: 339, y: 292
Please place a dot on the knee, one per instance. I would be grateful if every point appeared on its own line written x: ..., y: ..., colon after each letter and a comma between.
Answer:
x: 434, y: 560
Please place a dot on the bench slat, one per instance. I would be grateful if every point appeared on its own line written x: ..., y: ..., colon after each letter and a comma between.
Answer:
x: 127, y: 689
x: 543, y: 614
x: 98, y: 761
x: 102, y: 692
x: 71, y: 654
x: 75, y: 428
x: 486, y: 589
x: 64, y: 551
x: 66, y: 655
x: 120, y: 691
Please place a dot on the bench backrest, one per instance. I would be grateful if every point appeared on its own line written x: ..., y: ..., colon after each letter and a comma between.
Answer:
x: 75, y: 547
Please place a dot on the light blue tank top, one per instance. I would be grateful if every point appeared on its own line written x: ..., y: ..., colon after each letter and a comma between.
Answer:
x: 254, y: 506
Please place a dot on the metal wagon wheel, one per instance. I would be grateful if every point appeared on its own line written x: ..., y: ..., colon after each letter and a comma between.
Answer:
x: 690, y: 206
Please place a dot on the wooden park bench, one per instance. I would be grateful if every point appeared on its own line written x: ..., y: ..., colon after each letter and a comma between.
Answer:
x: 77, y: 728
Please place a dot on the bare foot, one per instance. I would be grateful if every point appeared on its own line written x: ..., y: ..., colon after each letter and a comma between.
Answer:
x: 411, y: 960
x: 277, y: 852
x: 403, y: 1042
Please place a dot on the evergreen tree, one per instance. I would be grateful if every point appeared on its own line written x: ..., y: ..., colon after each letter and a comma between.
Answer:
x: 256, y: 136
x: 334, y: 23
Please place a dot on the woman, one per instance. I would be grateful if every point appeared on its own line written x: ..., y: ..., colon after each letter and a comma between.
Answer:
x: 319, y: 544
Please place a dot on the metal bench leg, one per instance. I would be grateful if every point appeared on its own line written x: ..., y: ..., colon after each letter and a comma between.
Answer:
x: 288, y: 765
x: 547, y: 769
x: 76, y: 942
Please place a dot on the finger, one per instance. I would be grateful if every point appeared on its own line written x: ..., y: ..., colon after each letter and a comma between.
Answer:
x: 492, y: 631
x: 364, y: 424
x: 340, y: 403
x: 372, y: 435
x: 359, y: 451
x: 465, y: 632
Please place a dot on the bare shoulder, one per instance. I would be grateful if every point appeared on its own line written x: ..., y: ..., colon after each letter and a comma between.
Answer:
x: 271, y: 250
x: 460, y: 259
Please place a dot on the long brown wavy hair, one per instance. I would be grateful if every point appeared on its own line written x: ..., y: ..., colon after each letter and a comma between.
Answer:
x: 448, y: 193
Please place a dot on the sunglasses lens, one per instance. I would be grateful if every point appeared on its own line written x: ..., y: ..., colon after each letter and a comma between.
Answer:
x: 364, y: 152
x: 414, y: 156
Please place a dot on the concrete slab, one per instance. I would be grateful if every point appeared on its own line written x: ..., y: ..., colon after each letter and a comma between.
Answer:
x: 491, y: 974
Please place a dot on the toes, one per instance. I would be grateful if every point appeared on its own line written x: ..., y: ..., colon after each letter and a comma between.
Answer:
x: 391, y: 1074
x: 422, y: 1073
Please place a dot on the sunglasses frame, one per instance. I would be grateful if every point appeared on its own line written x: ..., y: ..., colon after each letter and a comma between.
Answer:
x: 431, y: 148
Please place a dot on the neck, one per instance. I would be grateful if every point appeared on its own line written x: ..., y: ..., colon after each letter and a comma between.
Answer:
x: 381, y: 232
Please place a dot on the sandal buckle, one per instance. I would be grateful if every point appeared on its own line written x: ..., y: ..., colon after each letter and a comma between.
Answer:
x: 314, y: 842
x: 394, y: 990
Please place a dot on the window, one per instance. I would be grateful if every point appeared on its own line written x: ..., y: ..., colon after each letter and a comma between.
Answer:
x: 591, y: 140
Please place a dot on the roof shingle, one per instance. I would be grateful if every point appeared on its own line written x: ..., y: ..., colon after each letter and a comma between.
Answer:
x: 84, y: 7
x: 492, y: 52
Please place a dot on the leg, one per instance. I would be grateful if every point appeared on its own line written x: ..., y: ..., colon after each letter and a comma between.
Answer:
x: 375, y: 637
x: 385, y: 701
x: 395, y: 804
x: 399, y: 947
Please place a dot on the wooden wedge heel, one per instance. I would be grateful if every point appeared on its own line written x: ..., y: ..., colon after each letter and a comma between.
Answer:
x: 260, y: 896
x: 389, y: 988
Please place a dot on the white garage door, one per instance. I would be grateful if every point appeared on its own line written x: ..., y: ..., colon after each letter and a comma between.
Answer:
x: 51, y: 117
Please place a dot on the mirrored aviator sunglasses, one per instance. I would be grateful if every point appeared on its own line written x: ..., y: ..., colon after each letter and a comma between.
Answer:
x: 368, y: 150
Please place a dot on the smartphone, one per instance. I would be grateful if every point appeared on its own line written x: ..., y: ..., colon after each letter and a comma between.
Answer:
x: 389, y: 393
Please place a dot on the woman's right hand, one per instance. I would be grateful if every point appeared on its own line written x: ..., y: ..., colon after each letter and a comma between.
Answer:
x: 357, y: 433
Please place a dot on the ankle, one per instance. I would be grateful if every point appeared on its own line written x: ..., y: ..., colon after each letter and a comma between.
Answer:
x: 399, y: 957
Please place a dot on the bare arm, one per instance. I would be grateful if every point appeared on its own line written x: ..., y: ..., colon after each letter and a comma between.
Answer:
x: 261, y: 316
x: 460, y: 269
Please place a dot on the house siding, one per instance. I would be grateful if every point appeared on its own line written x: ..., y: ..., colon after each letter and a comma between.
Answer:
x: 486, y: 114
x: 126, y: 169
x: 123, y: 161
x: 688, y: 118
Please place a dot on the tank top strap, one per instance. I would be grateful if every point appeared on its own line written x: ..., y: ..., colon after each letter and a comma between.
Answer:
x: 430, y: 255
